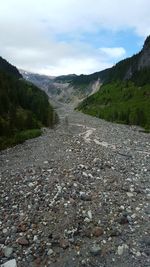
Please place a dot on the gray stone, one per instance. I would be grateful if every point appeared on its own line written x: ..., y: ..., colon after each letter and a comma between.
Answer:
x: 85, y: 197
x: 95, y: 250
x: 11, y: 263
x: 50, y: 252
x: 122, y: 249
x: 8, y: 251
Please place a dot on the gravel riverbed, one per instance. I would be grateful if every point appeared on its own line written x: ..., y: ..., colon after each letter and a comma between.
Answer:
x: 76, y: 196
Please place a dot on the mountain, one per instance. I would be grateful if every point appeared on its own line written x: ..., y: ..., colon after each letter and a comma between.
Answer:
x: 74, y: 88
x: 9, y: 69
x: 65, y: 78
x: 41, y: 81
x: 123, y: 70
x: 61, y: 88
x: 125, y: 94
x: 24, y: 108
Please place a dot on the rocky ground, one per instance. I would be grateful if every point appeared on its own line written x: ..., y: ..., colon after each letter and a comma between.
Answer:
x: 76, y: 196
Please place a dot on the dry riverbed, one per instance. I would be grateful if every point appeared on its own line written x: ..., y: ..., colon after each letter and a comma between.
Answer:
x: 76, y: 196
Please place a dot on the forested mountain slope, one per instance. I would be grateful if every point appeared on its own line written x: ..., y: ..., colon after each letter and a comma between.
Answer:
x: 23, y: 107
x: 9, y: 69
x: 125, y: 94
x: 123, y: 70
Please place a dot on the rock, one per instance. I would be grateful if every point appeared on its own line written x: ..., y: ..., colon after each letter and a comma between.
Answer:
x: 11, y: 263
x: 37, y: 261
x: 22, y: 227
x: 115, y: 232
x: 123, y: 219
x: 5, y: 231
x: 89, y: 213
x: 7, y: 251
x: 138, y: 253
x: 85, y: 197
x: 147, y: 251
x: 35, y: 238
x: 50, y: 252
x: 22, y: 241
x: 146, y: 241
x: 97, y: 231
x: 85, y: 174
x: 87, y: 220
x: 95, y: 250
x: 87, y: 232
x: 64, y: 243
x: 129, y: 194
x: 31, y: 184
x: 122, y: 249
x: 96, y: 160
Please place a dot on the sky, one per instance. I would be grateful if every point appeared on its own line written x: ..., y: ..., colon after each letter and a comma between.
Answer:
x: 56, y: 37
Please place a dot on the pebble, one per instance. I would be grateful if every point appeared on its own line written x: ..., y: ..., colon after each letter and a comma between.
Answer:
x: 95, y: 250
x: 85, y: 197
x: 89, y: 213
x: 138, y: 254
x: 64, y: 243
x: 122, y: 249
x: 35, y: 238
x: 11, y: 263
x: 22, y: 241
x: 5, y: 231
x: 123, y: 219
x: 129, y: 194
x: 146, y: 240
x: 87, y: 220
x: 97, y: 231
x: 50, y: 252
x: 8, y: 251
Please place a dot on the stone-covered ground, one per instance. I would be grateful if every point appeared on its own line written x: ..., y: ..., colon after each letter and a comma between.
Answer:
x: 76, y: 196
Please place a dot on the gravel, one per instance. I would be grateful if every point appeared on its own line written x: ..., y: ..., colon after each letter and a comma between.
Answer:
x: 76, y: 196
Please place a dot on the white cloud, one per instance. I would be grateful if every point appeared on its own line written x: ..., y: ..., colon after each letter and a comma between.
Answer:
x: 75, y: 66
x: 30, y: 29
x: 113, y: 52
x: 72, y: 15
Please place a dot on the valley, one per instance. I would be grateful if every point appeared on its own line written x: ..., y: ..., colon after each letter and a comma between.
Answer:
x: 76, y: 196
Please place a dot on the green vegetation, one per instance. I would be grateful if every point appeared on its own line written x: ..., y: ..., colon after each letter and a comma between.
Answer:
x: 125, y: 94
x: 141, y: 77
x: 9, y: 69
x: 24, y: 108
x: 122, y: 102
x: 65, y: 78
x: 18, y: 138
x: 123, y: 70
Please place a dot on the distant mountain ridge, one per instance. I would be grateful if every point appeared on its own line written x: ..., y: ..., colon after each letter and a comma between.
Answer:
x: 42, y: 81
x: 74, y: 88
x: 60, y: 88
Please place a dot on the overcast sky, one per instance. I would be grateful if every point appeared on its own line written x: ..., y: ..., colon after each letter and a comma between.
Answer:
x: 57, y: 37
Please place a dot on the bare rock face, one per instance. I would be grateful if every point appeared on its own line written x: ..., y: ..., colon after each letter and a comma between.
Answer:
x: 144, y: 56
x: 139, y: 61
